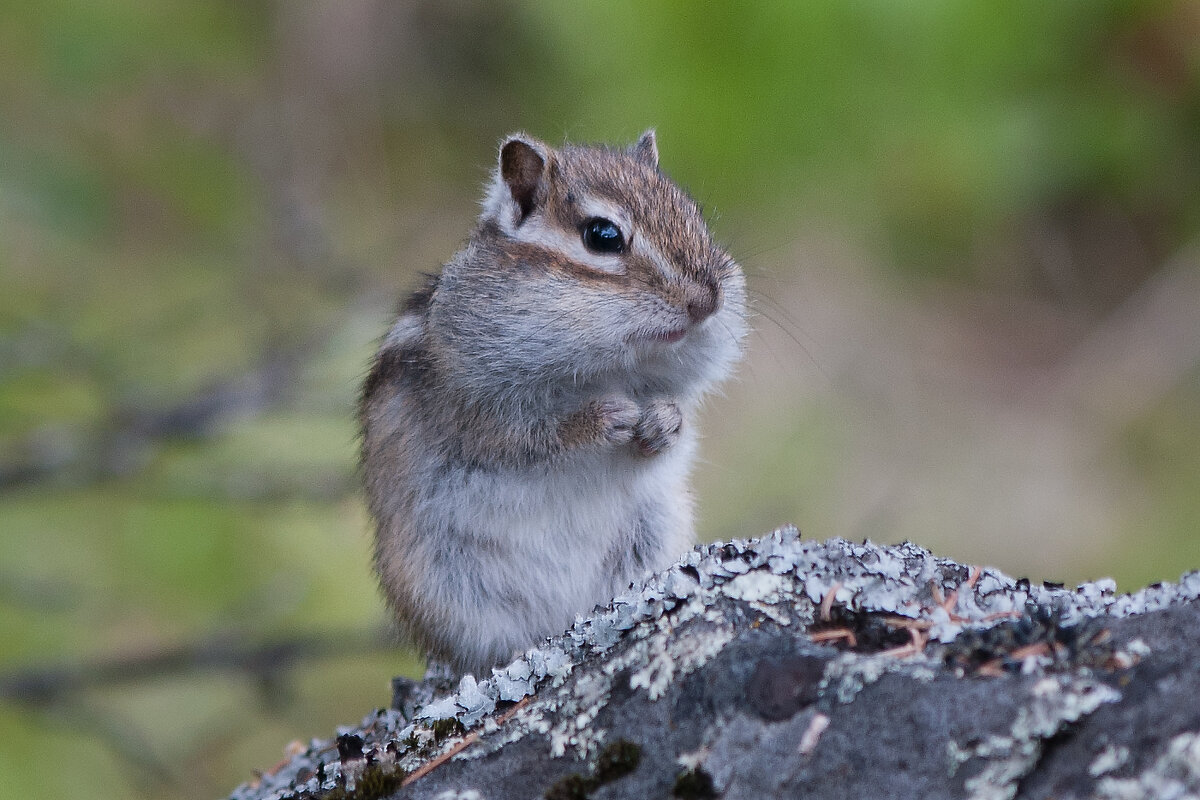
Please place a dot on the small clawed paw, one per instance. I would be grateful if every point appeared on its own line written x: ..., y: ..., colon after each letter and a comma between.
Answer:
x: 617, y: 416
x: 658, y: 428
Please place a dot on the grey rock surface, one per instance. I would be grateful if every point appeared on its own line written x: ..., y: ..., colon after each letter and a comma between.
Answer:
x: 777, y: 667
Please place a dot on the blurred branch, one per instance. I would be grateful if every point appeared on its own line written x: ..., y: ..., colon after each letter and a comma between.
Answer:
x: 125, y: 741
x: 80, y: 457
x: 58, y: 689
x: 264, y: 663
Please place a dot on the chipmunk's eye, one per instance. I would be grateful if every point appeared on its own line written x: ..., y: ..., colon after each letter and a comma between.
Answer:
x: 602, y: 235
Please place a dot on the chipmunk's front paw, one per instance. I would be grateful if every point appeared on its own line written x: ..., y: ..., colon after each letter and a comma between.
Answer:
x: 617, y: 417
x: 609, y: 420
x: 658, y: 427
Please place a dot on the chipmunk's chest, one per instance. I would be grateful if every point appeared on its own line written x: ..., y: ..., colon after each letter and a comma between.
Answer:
x: 574, y: 536
x: 567, y: 511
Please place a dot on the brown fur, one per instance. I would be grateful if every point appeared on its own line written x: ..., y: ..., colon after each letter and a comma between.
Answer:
x: 528, y: 422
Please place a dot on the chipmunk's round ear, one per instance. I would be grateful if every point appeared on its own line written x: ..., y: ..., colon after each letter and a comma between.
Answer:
x: 523, y: 170
x: 646, y: 149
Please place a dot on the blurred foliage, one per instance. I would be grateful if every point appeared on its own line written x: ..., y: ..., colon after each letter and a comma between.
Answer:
x: 207, y: 210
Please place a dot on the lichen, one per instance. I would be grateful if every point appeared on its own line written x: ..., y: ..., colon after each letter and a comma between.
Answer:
x: 1110, y: 758
x: 669, y: 656
x: 576, y: 714
x: 1054, y: 702
x: 679, y: 619
x: 1175, y: 775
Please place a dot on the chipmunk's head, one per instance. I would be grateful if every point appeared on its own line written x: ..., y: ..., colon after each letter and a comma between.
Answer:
x: 606, y: 265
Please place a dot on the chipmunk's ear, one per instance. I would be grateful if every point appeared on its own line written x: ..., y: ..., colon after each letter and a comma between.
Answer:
x: 523, y: 163
x: 646, y: 149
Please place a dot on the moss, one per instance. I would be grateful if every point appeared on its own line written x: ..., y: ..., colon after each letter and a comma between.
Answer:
x: 377, y: 782
x: 694, y: 784
x: 617, y: 760
x: 445, y: 728
x: 572, y: 787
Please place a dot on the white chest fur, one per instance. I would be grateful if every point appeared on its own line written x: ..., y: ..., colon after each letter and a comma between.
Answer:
x: 533, y: 548
x: 528, y: 425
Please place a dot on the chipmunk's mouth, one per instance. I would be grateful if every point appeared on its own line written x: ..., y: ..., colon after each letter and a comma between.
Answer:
x: 670, y: 337
x: 654, y: 337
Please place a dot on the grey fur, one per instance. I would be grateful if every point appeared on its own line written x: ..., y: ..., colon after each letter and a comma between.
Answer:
x: 528, y: 422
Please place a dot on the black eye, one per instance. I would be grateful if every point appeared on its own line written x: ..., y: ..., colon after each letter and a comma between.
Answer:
x: 602, y: 235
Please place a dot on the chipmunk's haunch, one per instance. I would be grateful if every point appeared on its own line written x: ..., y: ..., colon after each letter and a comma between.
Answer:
x: 528, y: 424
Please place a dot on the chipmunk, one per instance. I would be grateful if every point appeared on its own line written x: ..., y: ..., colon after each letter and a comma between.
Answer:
x: 528, y: 425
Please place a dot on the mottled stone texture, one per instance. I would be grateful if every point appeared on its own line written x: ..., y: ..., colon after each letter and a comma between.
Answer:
x: 777, y: 667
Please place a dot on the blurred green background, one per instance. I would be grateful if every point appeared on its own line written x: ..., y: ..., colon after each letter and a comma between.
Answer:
x: 971, y: 232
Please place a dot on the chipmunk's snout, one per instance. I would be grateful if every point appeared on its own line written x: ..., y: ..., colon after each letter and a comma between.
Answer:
x: 702, y: 301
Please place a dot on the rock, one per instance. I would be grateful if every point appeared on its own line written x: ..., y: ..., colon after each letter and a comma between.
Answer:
x: 778, y: 667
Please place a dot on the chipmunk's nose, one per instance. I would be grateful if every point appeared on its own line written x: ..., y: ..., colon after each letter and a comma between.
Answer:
x: 702, y: 300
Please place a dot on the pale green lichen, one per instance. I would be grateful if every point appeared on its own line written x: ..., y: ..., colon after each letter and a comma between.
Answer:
x: 1175, y: 775
x: 1054, y: 702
